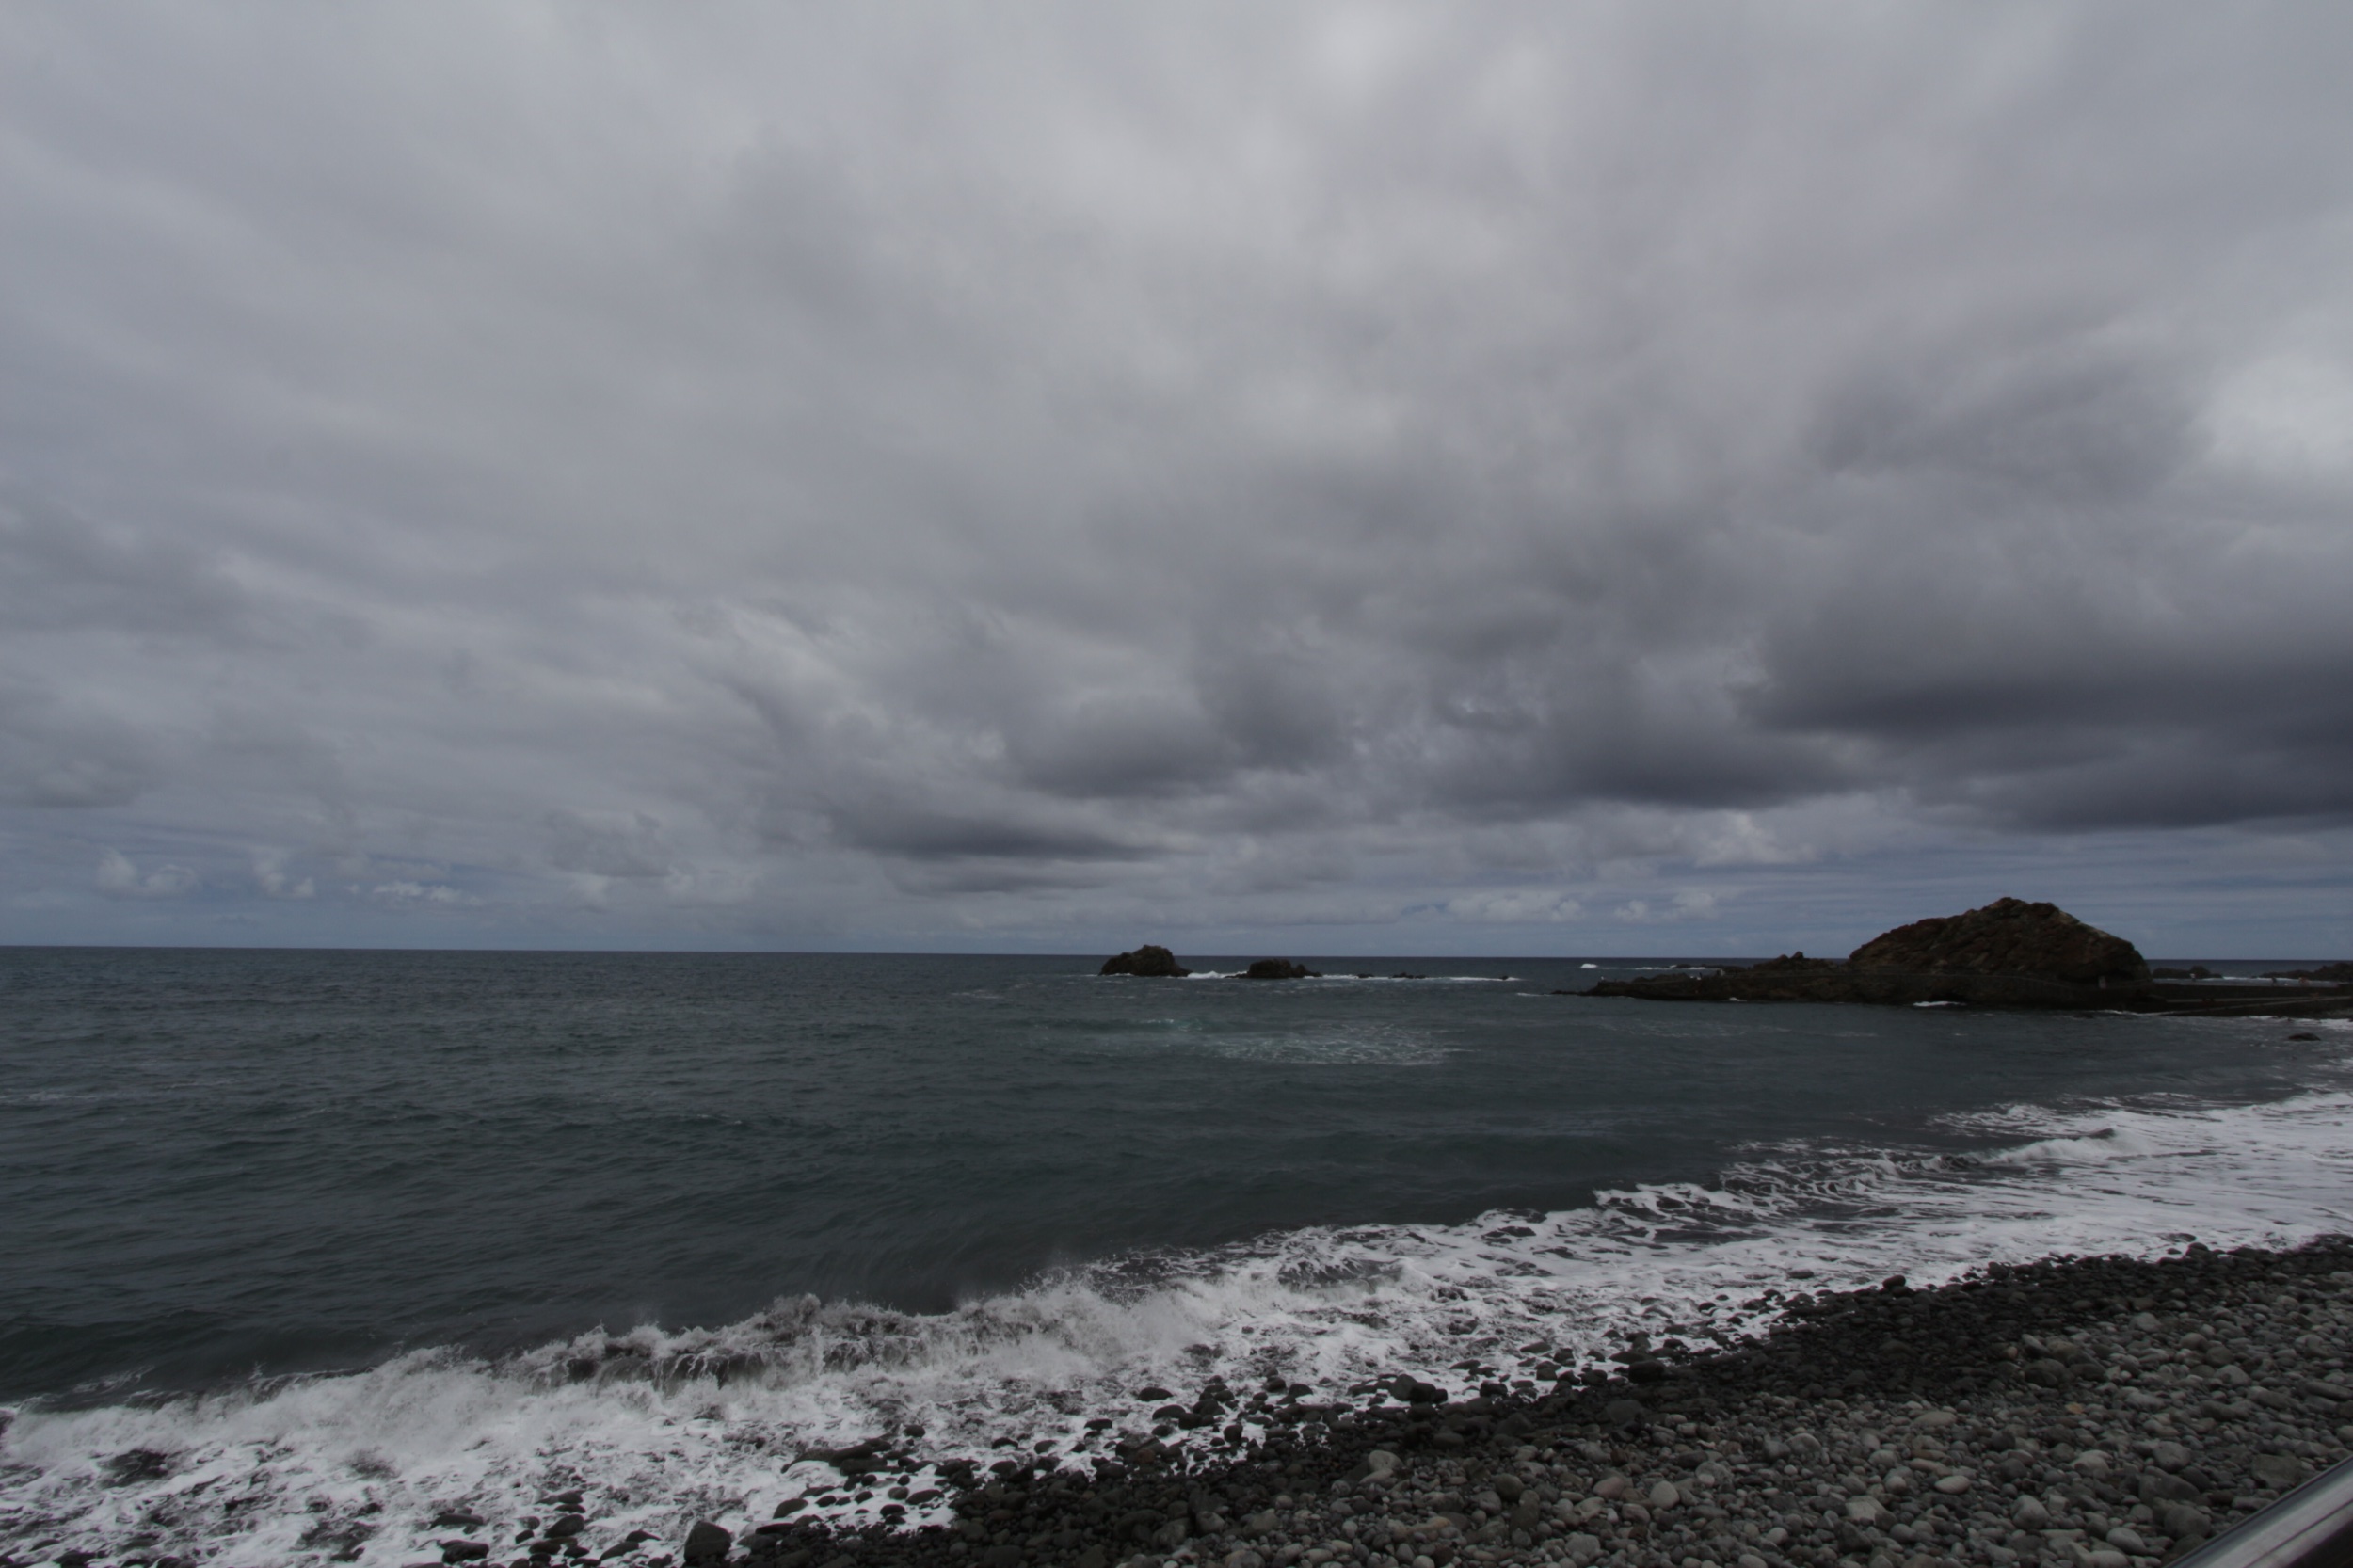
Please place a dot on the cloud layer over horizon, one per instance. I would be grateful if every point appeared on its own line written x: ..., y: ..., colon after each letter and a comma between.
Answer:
x: 1407, y: 480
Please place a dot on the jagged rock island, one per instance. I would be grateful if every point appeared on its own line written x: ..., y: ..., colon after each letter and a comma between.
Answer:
x: 2009, y: 953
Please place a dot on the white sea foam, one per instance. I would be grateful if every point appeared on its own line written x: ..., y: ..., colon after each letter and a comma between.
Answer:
x: 661, y: 1427
x: 1338, y: 977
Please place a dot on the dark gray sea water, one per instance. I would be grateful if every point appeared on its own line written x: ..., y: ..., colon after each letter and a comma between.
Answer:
x: 426, y: 1227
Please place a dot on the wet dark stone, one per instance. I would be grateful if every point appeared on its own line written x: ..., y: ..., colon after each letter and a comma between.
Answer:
x: 135, y: 1466
x: 706, y: 1544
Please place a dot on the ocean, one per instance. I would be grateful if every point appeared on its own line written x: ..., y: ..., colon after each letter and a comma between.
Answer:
x: 293, y: 1237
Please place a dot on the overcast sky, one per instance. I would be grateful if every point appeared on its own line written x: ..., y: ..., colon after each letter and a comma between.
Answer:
x: 1332, y: 479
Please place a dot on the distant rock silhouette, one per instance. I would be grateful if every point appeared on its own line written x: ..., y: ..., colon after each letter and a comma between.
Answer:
x: 2009, y: 953
x: 1278, y: 968
x: 2334, y: 974
x: 1148, y: 960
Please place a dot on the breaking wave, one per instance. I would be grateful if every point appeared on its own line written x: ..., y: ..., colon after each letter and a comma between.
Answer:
x: 660, y: 1426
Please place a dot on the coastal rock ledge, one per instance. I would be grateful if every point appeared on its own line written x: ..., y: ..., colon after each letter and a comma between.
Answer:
x: 2009, y: 953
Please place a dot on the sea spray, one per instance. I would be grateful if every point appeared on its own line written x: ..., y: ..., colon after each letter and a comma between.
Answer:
x: 663, y: 1426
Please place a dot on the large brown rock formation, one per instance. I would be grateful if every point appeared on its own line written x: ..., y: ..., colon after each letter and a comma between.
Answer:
x: 2009, y: 936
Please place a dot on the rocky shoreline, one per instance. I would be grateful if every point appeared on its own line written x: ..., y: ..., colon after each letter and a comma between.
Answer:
x: 2079, y: 1413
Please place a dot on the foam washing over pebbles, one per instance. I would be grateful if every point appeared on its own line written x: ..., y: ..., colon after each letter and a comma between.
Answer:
x: 664, y: 1427
x: 314, y: 1256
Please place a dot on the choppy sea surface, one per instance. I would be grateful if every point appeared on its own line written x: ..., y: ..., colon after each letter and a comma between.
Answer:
x: 299, y: 1249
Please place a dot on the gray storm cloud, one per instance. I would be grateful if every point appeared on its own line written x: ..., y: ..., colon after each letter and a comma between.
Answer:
x: 1392, y: 475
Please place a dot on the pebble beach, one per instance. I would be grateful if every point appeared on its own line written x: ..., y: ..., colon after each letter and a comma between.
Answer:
x: 2079, y: 1412
x: 601, y: 1371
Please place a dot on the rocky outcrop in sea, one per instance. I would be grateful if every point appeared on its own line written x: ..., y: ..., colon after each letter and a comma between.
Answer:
x: 1148, y: 961
x: 2334, y: 974
x: 2008, y: 954
x: 1158, y: 961
x: 2009, y: 936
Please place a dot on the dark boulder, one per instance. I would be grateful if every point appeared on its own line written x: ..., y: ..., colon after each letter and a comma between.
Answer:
x: 706, y: 1542
x: 2009, y: 936
x: 1278, y: 968
x: 1148, y: 960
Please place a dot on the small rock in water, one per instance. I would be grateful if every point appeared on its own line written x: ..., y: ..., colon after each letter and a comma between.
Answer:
x: 706, y: 1542
x: 1278, y: 968
x: 1148, y: 961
